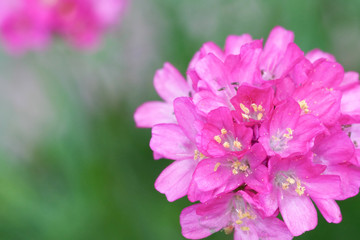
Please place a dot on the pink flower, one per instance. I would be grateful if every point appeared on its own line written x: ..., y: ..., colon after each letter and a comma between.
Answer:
x: 255, y: 132
x: 29, y: 24
x: 231, y: 212
x: 293, y: 182
x: 178, y: 142
x: 289, y: 131
x: 24, y: 25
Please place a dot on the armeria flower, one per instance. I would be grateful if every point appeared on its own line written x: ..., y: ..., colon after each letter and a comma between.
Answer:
x: 231, y: 212
x: 29, y: 24
x: 293, y: 182
x: 256, y: 132
x: 289, y: 131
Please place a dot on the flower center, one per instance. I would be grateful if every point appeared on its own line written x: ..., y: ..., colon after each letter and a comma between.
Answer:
x: 228, y: 141
x: 254, y: 111
x: 304, y: 107
x: 198, y: 156
x: 289, y: 182
x: 279, y: 141
x: 236, y: 166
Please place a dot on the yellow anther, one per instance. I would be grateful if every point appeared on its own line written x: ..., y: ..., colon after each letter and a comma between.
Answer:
x: 237, y: 144
x: 290, y: 131
x: 217, y: 165
x: 299, y: 189
x: 229, y: 229
x: 285, y: 186
x: 245, y: 109
x: 196, y: 154
x: 290, y: 180
x: 226, y: 145
x: 217, y: 138
x: 238, y: 221
x: 289, y: 134
x: 223, y: 131
x: 245, y: 228
x: 245, y: 116
x: 259, y: 116
x: 260, y: 108
x: 254, y: 106
x: 304, y: 106
x: 235, y: 171
x: 243, y: 167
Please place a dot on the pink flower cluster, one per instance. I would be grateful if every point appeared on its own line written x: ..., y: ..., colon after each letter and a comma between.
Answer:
x: 256, y: 131
x: 30, y: 24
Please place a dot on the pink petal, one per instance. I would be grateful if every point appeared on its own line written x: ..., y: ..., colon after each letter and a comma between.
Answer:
x: 152, y: 113
x: 299, y: 213
x: 316, y: 54
x: 328, y: 74
x: 169, y: 83
x: 188, y: 118
x: 292, y: 56
x: 323, y: 186
x: 329, y: 209
x: 333, y: 149
x: 245, y: 69
x: 206, y: 101
x: 322, y: 102
x: 211, y: 173
x: 350, y: 179
x: 248, y: 235
x: 170, y: 141
x: 275, y: 47
x: 190, y: 224
x: 174, y: 180
x: 233, y: 43
x: 212, y: 70
x: 271, y: 228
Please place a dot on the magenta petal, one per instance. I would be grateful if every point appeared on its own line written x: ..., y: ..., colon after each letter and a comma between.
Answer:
x: 258, y: 179
x: 350, y: 179
x: 328, y: 74
x: 152, y: 113
x: 248, y: 235
x: 333, y: 149
x: 212, y: 70
x: 271, y: 228
x: 188, y: 118
x: 275, y: 47
x: 190, y: 224
x: 292, y: 56
x: 174, y: 181
x: 329, y: 209
x: 268, y: 202
x: 308, y: 127
x: 211, y: 173
x: 169, y: 83
x: 316, y: 54
x: 323, y: 186
x: 233, y: 43
x: 245, y: 67
x: 170, y: 141
x: 206, y: 101
x: 299, y: 213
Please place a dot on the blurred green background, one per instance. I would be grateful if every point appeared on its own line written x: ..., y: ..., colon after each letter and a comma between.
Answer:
x: 72, y: 163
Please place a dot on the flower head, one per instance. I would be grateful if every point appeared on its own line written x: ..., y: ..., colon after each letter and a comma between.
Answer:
x: 257, y: 131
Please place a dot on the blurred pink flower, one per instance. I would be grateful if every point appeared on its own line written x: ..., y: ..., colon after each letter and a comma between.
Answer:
x: 30, y: 24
